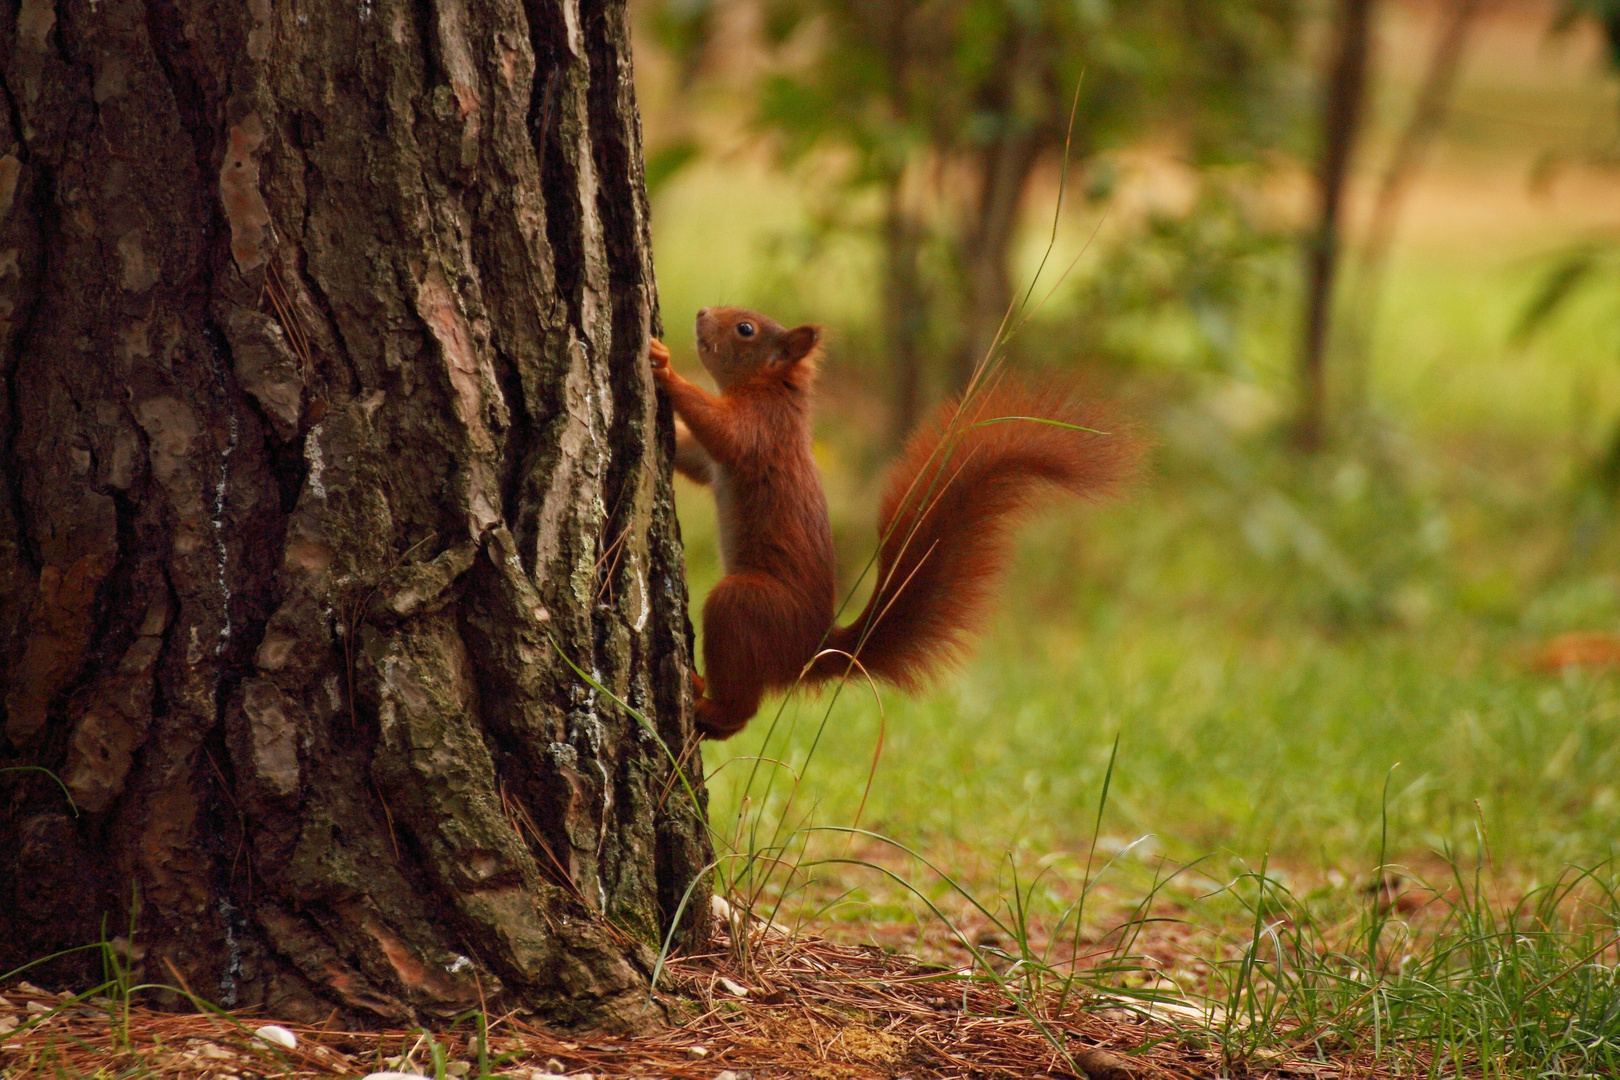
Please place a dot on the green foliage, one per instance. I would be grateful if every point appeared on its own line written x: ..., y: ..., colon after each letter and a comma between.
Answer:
x: 892, y: 77
x: 1480, y: 986
x: 664, y: 163
x: 913, y: 112
x: 1479, y: 975
x: 683, y: 27
x: 1177, y: 287
x: 1578, y: 268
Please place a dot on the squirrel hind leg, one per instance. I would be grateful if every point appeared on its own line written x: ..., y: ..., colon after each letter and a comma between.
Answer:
x: 713, y: 721
x: 752, y: 631
x: 720, y: 721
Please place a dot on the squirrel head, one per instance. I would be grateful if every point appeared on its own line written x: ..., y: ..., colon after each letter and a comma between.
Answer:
x: 737, y: 346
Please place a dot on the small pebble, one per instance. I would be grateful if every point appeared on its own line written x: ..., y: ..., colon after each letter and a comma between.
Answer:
x: 457, y: 1068
x: 728, y: 1074
x: 734, y: 988
x: 280, y: 1036
x: 697, y: 1053
x: 38, y: 1007
x: 392, y: 1076
x: 7, y: 1023
x: 555, y: 1067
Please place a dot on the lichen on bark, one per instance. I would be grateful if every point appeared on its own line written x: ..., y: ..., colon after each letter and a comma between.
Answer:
x: 330, y: 449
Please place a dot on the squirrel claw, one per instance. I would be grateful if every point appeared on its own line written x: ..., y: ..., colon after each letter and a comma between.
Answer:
x: 658, y: 352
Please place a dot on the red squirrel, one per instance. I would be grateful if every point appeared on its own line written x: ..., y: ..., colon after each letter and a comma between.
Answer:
x: 962, y: 481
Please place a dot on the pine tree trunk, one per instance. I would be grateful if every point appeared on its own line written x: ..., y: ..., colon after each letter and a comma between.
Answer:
x: 328, y: 433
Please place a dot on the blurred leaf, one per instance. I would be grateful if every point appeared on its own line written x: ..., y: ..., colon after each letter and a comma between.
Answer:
x: 664, y: 163
x: 1561, y: 282
x: 783, y: 19
x: 684, y: 28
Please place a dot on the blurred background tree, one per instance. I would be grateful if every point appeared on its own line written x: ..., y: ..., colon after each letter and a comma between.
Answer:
x: 1342, y: 103
x: 942, y: 113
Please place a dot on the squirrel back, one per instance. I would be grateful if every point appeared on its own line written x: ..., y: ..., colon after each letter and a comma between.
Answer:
x: 963, y: 482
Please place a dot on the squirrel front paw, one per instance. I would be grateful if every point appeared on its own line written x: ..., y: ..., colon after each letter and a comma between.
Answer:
x: 658, y: 353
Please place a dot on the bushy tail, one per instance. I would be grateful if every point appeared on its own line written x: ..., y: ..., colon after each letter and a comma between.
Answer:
x: 962, y: 484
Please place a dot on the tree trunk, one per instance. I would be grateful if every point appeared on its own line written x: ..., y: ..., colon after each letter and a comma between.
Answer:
x: 1341, y: 120
x: 1004, y: 168
x: 1423, y: 126
x: 905, y: 311
x: 328, y: 432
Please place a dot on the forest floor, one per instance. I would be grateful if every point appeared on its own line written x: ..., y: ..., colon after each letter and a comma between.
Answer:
x: 784, y: 1006
x: 1422, y: 973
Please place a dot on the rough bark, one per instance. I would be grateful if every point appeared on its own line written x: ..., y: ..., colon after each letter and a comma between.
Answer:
x: 327, y: 430
x: 1342, y: 107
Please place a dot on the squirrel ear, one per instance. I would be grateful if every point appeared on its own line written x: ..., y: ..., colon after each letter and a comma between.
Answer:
x: 797, y: 343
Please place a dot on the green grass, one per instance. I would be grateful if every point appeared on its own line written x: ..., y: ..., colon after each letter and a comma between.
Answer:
x: 1242, y: 725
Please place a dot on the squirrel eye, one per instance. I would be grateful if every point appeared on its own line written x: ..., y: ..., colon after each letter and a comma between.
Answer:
x: 745, y: 329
